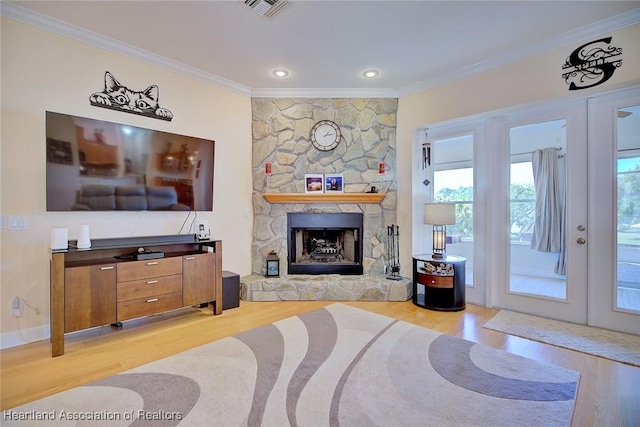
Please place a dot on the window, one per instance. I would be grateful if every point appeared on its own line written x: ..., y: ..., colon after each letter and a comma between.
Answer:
x: 522, y: 202
x: 456, y: 186
x: 453, y: 182
x: 629, y: 201
x: 628, y: 230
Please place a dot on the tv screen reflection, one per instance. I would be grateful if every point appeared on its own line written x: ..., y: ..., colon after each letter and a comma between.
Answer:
x: 94, y: 165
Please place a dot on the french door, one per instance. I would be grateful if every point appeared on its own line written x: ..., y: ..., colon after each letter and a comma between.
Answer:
x: 574, y: 257
x: 449, y: 168
x: 614, y: 182
x: 539, y: 258
x: 590, y: 272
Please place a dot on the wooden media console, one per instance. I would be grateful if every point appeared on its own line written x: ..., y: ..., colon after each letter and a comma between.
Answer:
x: 106, y: 284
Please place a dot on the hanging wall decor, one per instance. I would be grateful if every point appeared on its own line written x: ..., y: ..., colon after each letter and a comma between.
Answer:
x: 115, y: 96
x: 591, y: 64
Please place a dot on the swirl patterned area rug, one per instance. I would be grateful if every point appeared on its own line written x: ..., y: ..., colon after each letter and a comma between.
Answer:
x: 335, y: 366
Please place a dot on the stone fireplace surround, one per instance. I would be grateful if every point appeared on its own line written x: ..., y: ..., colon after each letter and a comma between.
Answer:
x: 281, y: 129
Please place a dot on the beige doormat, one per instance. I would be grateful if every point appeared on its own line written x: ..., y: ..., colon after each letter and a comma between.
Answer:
x: 617, y: 346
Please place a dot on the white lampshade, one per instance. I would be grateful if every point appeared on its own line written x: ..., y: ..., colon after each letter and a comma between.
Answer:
x: 440, y: 213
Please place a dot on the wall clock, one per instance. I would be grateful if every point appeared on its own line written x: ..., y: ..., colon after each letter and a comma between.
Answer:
x: 325, y: 135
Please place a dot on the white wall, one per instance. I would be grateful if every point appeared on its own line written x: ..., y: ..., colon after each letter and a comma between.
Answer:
x: 528, y: 81
x: 44, y: 71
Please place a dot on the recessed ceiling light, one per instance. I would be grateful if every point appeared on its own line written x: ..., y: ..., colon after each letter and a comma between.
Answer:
x: 280, y: 73
x: 370, y: 73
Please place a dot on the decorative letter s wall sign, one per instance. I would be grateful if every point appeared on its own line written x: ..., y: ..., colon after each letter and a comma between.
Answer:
x: 591, y: 64
x: 118, y: 97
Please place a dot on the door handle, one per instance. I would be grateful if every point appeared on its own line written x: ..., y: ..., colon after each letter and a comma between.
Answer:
x: 581, y: 241
x: 581, y: 227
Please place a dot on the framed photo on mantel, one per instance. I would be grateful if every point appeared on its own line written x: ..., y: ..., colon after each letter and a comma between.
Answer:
x: 313, y: 183
x: 333, y: 183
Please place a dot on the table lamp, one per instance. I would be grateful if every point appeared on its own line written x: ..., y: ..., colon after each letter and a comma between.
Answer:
x: 439, y: 215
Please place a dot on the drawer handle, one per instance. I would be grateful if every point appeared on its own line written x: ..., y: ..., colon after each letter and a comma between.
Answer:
x: 152, y: 300
x: 151, y: 282
x: 189, y: 258
x: 152, y: 263
x: 107, y: 268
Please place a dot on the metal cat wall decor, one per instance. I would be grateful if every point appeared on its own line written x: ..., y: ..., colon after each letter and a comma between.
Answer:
x: 591, y: 64
x: 115, y: 96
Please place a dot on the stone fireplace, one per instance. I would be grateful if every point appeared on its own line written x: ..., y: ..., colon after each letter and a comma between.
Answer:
x: 324, y: 243
x: 330, y: 262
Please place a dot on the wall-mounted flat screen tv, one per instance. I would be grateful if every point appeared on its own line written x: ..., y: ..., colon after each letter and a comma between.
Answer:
x: 93, y: 165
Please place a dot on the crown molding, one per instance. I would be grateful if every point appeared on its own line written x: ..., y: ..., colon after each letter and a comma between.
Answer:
x: 46, y: 23
x: 13, y: 11
x: 323, y: 93
x: 578, y: 35
x: 53, y: 25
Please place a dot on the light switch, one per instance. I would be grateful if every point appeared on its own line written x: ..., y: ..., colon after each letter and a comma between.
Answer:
x: 18, y: 223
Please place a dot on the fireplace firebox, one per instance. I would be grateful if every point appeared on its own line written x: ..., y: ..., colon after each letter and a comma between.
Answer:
x: 324, y: 243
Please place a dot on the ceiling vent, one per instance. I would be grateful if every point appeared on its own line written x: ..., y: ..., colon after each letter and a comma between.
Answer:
x: 266, y: 8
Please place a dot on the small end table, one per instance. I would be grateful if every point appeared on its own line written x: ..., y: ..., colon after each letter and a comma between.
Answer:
x: 439, y: 283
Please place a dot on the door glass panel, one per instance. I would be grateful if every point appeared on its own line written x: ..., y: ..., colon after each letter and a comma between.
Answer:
x: 628, y: 209
x: 536, y: 207
x: 453, y: 183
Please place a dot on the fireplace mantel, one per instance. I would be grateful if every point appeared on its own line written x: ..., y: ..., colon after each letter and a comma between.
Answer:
x: 324, y: 198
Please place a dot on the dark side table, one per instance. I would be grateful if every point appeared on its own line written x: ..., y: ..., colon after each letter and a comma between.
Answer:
x: 439, y: 283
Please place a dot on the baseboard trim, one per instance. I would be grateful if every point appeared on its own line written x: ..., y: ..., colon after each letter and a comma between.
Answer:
x: 24, y: 336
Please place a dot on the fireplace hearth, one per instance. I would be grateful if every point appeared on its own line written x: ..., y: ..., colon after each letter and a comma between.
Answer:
x: 324, y: 243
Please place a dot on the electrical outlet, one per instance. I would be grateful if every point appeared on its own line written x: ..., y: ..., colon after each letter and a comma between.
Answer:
x: 17, y: 307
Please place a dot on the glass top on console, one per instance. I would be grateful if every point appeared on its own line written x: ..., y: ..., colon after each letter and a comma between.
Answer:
x: 446, y: 258
x: 120, y: 242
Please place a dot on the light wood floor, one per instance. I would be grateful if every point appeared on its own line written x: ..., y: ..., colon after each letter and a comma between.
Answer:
x: 608, y: 394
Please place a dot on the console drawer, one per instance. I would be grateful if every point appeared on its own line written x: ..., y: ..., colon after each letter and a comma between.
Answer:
x: 149, y: 287
x: 435, y: 281
x: 148, y: 306
x: 138, y: 270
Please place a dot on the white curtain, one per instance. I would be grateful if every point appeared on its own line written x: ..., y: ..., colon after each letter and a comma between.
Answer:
x: 548, y: 230
x: 561, y: 265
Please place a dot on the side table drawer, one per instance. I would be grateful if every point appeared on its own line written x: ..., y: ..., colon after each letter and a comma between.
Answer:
x: 149, y: 287
x: 434, y: 281
x: 148, y: 306
x: 137, y: 270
